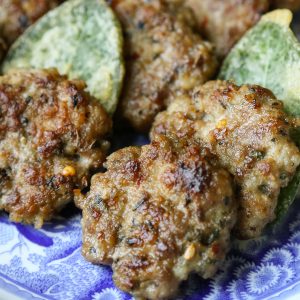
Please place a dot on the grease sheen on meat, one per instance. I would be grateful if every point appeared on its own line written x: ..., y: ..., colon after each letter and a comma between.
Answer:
x: 17, y: 15
x: 51, y: 136
x: 245, y: 126
x: 163, y: 56
x: 160, y: 212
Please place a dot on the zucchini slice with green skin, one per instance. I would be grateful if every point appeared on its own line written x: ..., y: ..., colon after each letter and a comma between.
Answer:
x: 82, y: 39
x: 269, y: 55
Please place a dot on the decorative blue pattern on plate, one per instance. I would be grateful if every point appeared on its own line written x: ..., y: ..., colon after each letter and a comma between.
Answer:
x: 47, y: 263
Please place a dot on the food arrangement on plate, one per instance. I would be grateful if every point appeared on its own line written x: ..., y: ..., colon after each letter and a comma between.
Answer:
x: 215, y: 85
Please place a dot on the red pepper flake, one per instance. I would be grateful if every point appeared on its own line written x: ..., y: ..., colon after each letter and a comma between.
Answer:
x: 215, y: 248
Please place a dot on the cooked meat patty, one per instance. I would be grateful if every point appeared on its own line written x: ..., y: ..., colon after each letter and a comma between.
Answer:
x: 160, y: 212
x: 17, y: 15
x: 51, y: 136
x: 291, y: 4
x: 246, y: 128
x: 164, y: 57
x: 225, y: 22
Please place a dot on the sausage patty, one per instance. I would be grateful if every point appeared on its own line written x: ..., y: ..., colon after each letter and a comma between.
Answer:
x: 52, y: 134
x: 224, y: 22
x: 163, y: 56
x: 247, y: 129
x: 158, y: 213
x: 17, y: 15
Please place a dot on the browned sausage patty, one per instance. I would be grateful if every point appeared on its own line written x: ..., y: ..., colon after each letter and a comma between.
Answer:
x: 164, y: 57
x: 246, y: 128
x: 17, y: 15
x: 52, y: 134
x: 224, y: 22
x: 160, y: 212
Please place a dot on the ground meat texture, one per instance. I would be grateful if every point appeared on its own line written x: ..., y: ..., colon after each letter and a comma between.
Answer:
x: 246, y: 128
x: 163, y: 56
x: 51, y: 136
x: 224, y: 22
x: 17, y: 15
x: 158, y: 213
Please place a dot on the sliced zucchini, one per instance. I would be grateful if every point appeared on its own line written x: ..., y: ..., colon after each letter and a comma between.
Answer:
x: 80, y: 38
x: 268, y: 55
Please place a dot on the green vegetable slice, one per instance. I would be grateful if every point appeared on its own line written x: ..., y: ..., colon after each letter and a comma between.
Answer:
x: 269, y: 55
x: 80, y: 38
x: 287, y: 196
